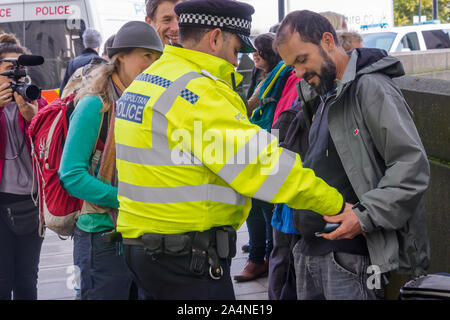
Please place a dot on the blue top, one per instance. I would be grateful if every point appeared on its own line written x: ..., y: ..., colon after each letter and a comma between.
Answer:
x: 76, y: 160
x: 282, y: 219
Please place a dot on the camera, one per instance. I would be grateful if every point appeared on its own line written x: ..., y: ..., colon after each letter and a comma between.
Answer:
x: 28, y: 91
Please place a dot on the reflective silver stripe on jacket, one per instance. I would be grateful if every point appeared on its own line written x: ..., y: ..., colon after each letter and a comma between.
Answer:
x: 155, y: 157
x: 248, y: 153
x: 275, y: 180
x: 203, y: 192
x: 160, y: 154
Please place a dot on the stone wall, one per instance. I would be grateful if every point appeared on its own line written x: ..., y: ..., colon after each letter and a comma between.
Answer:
x: 431, y: 63
x: 429, y: 99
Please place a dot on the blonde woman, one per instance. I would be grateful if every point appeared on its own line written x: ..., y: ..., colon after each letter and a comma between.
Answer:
x: 350, y: 40
x: 104, y: 274
x: 337, y: 20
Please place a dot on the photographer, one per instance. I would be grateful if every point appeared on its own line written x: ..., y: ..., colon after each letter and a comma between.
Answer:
x: 20, y: 243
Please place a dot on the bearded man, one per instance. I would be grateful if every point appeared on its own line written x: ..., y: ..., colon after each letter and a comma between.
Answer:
x: 363, y: 142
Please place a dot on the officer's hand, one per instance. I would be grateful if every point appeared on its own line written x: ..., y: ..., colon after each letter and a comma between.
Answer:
x: 28, y: 110
x: 5, y: 94
x: 349, y: 227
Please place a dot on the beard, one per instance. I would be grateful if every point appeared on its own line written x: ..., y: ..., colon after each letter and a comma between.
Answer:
x: 327, y: 75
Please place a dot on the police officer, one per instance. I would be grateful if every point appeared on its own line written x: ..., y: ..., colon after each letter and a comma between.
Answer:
x: 188, y: 159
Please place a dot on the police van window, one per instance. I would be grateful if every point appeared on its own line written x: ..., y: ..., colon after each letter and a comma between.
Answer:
x: 409, y: 42
x: 437, y: 39
x: 58, y: 41
x: 15, y: 28
x: 380, y: 40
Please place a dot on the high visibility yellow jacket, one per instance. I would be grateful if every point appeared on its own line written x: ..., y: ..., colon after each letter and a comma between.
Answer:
x: 188, y: 158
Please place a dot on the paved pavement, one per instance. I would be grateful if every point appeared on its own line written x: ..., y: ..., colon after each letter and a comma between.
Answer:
x: 55, y: 268
x: 56, y: 265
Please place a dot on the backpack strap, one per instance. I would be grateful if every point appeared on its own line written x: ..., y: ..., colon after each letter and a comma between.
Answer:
x: 95, y: 161
x: 50, y: 134
x: 96, y: 154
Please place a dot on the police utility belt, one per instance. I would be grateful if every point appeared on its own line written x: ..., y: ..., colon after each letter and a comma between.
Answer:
x: 206, y: 247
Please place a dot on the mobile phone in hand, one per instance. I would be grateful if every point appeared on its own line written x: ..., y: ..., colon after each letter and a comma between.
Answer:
x: 329, y: 227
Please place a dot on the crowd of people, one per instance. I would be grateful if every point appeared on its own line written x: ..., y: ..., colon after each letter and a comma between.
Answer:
x: 327, y: 138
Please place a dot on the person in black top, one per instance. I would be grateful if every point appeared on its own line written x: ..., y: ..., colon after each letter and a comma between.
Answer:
x: 91, y: 41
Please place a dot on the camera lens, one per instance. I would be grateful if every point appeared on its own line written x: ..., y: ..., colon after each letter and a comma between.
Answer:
x: 28, y: 91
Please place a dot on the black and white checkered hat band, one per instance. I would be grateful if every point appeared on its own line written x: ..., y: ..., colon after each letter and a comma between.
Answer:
x: 237, y: 24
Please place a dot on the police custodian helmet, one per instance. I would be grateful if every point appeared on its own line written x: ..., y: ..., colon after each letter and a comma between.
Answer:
x: 228, y: 15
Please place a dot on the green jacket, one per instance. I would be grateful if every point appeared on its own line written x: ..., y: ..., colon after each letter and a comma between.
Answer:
x: 75, y: 163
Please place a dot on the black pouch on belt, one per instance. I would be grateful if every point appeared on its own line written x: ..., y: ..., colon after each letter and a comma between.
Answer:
x: 153, y: 243
x: 226, y: 242
x: 200, y: 245
x: 112, y: 236
x: 177, y: 244
x: 21, y: 217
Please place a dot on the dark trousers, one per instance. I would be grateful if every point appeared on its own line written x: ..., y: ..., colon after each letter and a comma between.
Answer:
x: 281, y: 282
x: 19, y: 261
x: 165, y: 277
x: 259, y: 225
x: 103, y: 272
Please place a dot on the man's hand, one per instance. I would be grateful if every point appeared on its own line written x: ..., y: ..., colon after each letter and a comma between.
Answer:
x: 28, y: 110
x: 5, y: 94
x: 349, y: 227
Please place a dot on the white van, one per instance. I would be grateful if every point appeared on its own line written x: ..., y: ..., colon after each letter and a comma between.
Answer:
x: 53, y: 29
x: 410, y: 38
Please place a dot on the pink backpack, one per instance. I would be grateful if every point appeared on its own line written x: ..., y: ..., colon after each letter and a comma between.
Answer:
x: 48, y: 130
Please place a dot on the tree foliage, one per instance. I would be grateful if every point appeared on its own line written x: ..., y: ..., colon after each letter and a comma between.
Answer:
x: 404, y: 10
